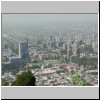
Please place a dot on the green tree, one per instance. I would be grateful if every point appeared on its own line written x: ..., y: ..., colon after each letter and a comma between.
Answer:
x: 77, y: 80
x: 4, y: 82
x: 89, y: 49
x: 84, y: 61
x: 75, y: 60
x: 25, y: 79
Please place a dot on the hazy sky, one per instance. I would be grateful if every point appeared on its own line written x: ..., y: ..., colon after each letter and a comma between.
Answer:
x: 39, y: 18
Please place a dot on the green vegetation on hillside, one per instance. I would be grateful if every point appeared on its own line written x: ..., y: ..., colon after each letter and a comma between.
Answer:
x: 4, y: 82
x: 85, y: 61
x: 77, y: 80
x: 25, y: 79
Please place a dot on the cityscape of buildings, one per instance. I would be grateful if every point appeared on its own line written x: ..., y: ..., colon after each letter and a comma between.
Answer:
x: 68, y: 58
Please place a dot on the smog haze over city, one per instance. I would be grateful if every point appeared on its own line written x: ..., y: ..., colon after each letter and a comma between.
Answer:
x: 53, y: 49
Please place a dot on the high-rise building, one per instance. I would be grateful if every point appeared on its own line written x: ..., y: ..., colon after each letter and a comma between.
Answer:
x: 95, y: 43
x: 78, y: 52
x: 23, y: 50
x: 74, y: 49
x: 64, y: 46
x: 23, y: 54
x: 68, y: 44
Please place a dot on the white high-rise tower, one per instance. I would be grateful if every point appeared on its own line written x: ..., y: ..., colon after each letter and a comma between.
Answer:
x: 68, y: 44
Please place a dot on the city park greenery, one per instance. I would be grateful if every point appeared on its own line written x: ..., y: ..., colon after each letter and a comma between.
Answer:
x: 85, y: 61
x: 14, y: 68
x: 77, y: 79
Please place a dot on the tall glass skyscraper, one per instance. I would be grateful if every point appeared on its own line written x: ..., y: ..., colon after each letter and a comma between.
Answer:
x: 23, y: 50
x: 23, y: 54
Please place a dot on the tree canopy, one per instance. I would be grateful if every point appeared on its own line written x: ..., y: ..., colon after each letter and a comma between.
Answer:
x: 4, y: 82
x: 25, y: 79
x: 85, y: 61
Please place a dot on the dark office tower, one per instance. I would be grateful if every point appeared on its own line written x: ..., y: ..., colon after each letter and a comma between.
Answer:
x: 53, y: 45
x: 68, y: 48
x: 44, y: 45
x: 78, y: 52
x: 23, y: 50
x: 51, y: 38
x: 70, y: 51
